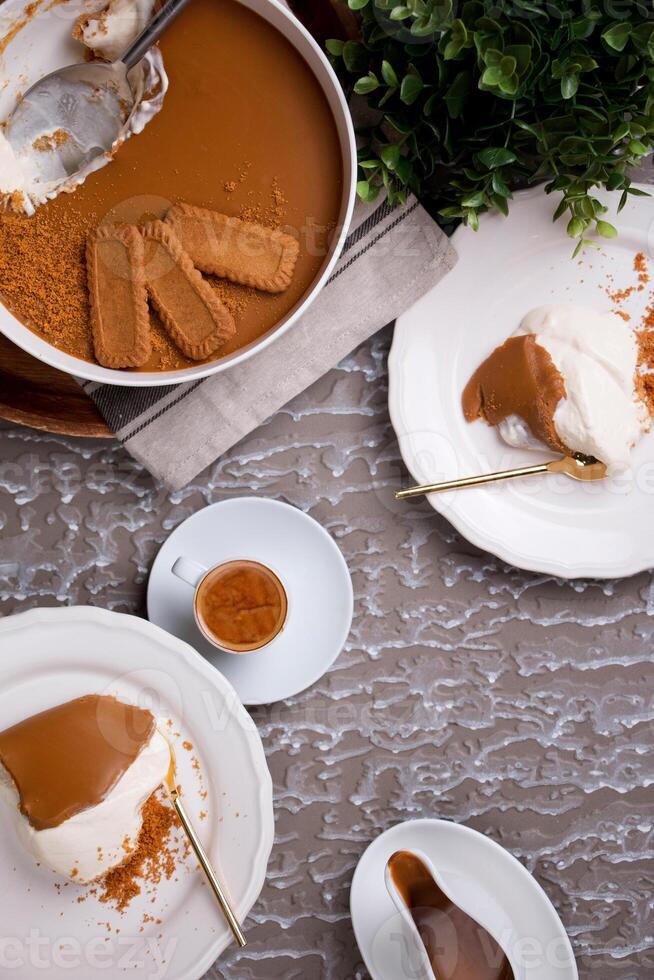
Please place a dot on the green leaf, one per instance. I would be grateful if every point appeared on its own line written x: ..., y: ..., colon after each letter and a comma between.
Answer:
x: 561, y: 209
x: 569, y: 86
x: 452, y: 50
x: 606, y: 230
x: 401, y: 125
x: 509, y: 84
x: 528, y: 127
x: 620, y: 133
x: 431, y: 103
x: 501, y: 203
x: 389, y: 75
x: 335, y: 47
x: 390, y: 155
x: 493, y: 58
x: 366, y: 84
x: 499, y: 186
x: 403, y: 170
x: 457, y: 42
x: 367, y: 191
x: 472, y: 220
x: 410, y: 89
x: 617, y: 36
x: 491, y: 77
x: 582, y: 27
x: 400, y: 13
x: 496, y: 156
x: 354, y: 56
x: 615, y: 181
x: 357, y: 4
x: 475, y: 200
x: 522, y: 55
x: 637, y: 148
x: 457, y: 94
x: 584, y: 208
x: 576, y: 227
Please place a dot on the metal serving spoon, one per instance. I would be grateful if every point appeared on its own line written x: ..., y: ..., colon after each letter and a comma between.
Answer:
x: 200, y: 853
x: 89, y: 102
x: 578, y: 467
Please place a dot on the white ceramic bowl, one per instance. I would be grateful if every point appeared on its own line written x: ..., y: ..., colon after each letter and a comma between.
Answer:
x: 54, y: 51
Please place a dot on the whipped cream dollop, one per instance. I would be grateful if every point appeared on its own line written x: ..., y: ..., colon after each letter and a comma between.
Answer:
x: 109, y: 30
x: 35, y: 172
x: 596, y: 353
x: 89, y: 844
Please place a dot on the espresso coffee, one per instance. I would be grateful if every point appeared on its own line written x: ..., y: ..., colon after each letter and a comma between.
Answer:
x: 241, y: 605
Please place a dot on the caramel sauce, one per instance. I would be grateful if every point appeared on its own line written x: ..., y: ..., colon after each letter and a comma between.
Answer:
x: 69, y: 758
x: 241, y: 605
x: 457, y: 946
x: 245, y: 129
x: 518, y: 378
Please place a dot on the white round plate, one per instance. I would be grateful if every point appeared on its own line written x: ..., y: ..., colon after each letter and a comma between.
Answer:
x: 546, y: 524
x: 44, y: 44
x: 477, y: 872
x: 311, y: 568
x: 52, y: 655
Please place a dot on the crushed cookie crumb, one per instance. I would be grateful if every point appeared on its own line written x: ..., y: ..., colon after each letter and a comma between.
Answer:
x: 152, y: 860
x: 50, y: 141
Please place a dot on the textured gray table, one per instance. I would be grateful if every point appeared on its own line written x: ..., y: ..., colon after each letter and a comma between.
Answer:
x: 513, y: 702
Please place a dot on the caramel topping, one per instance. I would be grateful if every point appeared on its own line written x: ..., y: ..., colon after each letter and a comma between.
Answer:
x: 518, y: 378
x: 69, y: 758
x: 457, y: 946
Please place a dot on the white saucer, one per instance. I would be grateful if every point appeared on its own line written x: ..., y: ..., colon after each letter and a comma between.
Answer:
x: 478, y: 873
x: 311, y: 568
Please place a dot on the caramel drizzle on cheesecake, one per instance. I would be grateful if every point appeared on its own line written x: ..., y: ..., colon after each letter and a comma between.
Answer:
x: 518, y: 378
x: 69, y: 758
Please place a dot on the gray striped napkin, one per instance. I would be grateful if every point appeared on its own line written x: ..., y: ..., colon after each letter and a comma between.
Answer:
x: 391, y: 257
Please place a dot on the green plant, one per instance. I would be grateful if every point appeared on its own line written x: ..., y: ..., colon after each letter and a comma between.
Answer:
x: 473, y: 102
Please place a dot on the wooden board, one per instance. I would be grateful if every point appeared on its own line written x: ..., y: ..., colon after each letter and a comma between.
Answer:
x: 32, y: 393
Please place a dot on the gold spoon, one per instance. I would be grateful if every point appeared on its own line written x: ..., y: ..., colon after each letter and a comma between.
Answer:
x: 579, y: 467
x: 200, y: 853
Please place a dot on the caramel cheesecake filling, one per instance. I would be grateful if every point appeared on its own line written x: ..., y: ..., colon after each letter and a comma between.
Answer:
x: 69, y: 758
x: 518, y: 378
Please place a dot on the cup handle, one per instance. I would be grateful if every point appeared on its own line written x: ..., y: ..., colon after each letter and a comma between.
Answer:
x: 189, y: 571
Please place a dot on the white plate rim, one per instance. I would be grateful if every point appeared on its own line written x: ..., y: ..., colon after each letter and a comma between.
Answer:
x: 251, y: 500
x: 105, y: 617
x: 282, y: 19
x: 464, y: 831
x: 455, y: 516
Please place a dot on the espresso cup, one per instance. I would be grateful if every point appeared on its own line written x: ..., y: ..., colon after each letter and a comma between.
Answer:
x: 239, y: 605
